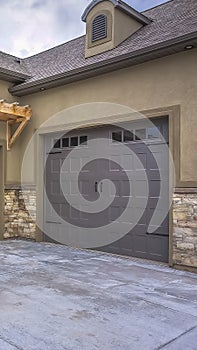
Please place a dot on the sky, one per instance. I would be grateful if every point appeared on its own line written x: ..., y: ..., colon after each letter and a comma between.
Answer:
x: 32, y: 26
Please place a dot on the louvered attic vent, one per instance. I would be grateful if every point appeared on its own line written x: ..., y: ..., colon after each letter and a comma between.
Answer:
x: 99, y: 28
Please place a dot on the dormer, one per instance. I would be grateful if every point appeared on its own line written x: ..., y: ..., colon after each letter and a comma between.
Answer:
x: 109, y: 23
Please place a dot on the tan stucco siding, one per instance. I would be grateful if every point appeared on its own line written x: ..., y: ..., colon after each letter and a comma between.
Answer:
x: 119, y: 27
x: 106, y: 8
x: 4, y: 95
x: 163, y: 82
x: 12, y: 158
x: 124, y: 26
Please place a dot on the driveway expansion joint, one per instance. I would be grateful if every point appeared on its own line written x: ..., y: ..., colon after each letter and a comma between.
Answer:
x: 176, y: 338
x: 10, y: 343
x: 54, y: 297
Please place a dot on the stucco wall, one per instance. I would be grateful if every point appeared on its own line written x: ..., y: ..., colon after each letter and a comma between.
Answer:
x: 4, y: 95
x: 163, y: 82
x: 12, y: 158
x: 119, y: 27
x: 124, y: 26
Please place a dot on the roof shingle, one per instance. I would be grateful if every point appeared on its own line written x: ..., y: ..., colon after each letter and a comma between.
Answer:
x: 170, y: 20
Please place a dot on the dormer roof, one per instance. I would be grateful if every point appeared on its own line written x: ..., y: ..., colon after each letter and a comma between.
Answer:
x: 121, y: 5
x: 173, y: 27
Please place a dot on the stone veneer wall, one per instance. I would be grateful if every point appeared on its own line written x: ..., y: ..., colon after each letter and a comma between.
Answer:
x: 18, y: 221
x: 185, y: 229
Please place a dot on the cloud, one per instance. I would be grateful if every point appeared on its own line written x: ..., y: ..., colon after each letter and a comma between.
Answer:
x: 31, y: 26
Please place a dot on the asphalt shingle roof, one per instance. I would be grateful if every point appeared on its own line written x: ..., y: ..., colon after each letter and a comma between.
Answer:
x: 12, y: 64
x: 170, y: 20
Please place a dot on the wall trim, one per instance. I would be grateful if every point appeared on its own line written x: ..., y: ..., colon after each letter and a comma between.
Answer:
x: 19, y: 187
x: 186, y: 190
x: 2, y: 178
x: 173, y: 114
x: 185, y: 268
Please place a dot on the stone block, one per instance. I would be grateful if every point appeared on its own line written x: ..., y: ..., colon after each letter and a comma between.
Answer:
x: 17, y: 217
x: 185, y: 246
x: 179, y: 215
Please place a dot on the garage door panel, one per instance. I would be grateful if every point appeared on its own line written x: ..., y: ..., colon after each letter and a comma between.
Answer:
x: 84, y: 213
x: 154, y: 188
x: 115, y: 162
x: 140, y: 229
x: 75, y: 165
x: 55, y: 165
x: 158, y: 248
x: 140, y: 189
x: 140, y: 161
x: 134, y: 191
x: 52, y: 227
x: 154, y: 175
x: 139, y: 203
x: 84, y: 168
x: 161, y: 230
x: 65, y: 210
x: 52, y: 215
x: 126, y: 245
x: 127, y: 162
x: 140, y: 244
x: 65, y: 186
x: 114, y: 213
x: 74, y: 190
x: 139, y: 175
x: 84, y: 187
x: 55, y: 188
x: 142, y: 214
x: 126, y: 188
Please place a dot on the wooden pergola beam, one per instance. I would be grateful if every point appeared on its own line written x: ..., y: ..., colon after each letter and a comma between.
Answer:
x: 14, y: 110
x: 12, y: 138
x: 12, y: 113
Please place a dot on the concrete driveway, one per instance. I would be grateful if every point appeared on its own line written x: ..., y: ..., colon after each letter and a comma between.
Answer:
x: 55, y: 298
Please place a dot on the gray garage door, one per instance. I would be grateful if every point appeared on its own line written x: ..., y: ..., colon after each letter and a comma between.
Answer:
x: 122, y: 168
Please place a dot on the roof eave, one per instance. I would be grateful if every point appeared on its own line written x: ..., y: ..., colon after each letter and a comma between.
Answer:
x: 12, y: 76
x: 133, y: 13
x: 143, y: 55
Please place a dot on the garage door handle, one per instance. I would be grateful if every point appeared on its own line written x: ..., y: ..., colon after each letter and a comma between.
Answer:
x: 157, y: 234
x: 96, y: 187
x: 53, y: 222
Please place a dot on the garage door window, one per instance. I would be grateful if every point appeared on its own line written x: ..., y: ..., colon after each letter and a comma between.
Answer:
x: 137, y: 135
x: 154, y: 133
x: 83, y: 140
x: 67, y: 142
x: 128, y: 136
x: 140, y: 134
x: 117, y: 136
x: 74, y: 141
x: 57, y: 143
